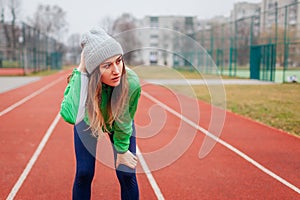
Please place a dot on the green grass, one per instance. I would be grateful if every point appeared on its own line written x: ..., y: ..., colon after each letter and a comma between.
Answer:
x: 276, y: 105
x: 10, y: 64
x: 47, y: 72
x: 43, y: 73
x: 157, y: 72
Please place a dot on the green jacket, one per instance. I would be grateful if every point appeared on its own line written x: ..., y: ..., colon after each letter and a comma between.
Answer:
x: 73, y: 108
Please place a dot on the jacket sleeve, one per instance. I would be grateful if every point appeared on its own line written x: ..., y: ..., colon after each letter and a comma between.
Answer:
x: 73, y: 105
x: 123, y: 126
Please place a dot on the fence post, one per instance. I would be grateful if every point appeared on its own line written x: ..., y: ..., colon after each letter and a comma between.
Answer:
x: 223, y: 41
x: 286, y: 46
x: 272, y: 75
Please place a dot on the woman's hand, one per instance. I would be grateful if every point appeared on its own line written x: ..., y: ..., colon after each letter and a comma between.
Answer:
x: 81, y: 66
x: 127, y: 159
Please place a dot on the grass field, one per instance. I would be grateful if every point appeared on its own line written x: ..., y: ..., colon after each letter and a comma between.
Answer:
x: 276, y: 105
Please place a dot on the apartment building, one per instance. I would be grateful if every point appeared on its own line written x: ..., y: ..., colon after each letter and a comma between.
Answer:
x: 274, y: 11
x: 161, y: 41
x: 245, y: 19
x: 243, y: 10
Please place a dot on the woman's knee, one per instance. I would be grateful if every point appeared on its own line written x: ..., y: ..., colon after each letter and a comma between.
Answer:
x: 125, y: 174
x: 84, y: 176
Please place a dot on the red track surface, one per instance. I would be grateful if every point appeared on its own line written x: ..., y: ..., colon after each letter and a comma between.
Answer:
x: 11, y: 71
x: 168, y: 144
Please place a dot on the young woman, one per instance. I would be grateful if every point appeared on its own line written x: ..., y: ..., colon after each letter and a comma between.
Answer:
x: 101, y: 98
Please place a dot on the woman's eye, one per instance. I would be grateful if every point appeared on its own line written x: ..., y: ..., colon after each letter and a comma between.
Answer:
x: 119, y: 61
x: 107, y: 66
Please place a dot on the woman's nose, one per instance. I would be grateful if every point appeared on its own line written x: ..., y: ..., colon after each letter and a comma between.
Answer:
x: 115, y: 68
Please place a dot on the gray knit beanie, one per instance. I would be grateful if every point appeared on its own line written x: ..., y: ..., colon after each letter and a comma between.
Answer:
x: 98, y: 46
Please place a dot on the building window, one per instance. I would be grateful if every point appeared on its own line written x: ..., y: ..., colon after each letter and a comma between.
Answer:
x: 154, y: 21
x: 153, y: 57
x: 153, y: 45
x: 153, y: 36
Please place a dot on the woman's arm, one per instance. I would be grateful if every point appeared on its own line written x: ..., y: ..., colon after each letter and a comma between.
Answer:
x: 73, y: 104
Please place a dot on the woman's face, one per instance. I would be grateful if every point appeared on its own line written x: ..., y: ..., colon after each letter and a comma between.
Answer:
x: 111, y: 70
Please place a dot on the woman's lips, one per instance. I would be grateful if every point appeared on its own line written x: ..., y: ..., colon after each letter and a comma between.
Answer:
x: 116, y: 78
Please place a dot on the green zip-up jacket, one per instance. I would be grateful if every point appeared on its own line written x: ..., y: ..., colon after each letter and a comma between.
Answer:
x: 73, y: 108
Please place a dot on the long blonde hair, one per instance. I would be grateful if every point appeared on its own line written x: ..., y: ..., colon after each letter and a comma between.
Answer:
x: 116, y: 102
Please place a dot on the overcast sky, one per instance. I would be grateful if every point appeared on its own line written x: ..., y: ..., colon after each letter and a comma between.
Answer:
x: 83, y: 14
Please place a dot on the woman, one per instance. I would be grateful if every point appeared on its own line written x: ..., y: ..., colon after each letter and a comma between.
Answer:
x: 101, y: 98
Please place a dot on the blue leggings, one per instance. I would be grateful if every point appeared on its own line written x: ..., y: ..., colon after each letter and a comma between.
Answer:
x: 85, y: 151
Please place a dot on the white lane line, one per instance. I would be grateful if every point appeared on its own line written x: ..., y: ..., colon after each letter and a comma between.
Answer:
x: 222, y: 142
x: 33, y: 159
x: 148, y: 173
x: 10, y: 108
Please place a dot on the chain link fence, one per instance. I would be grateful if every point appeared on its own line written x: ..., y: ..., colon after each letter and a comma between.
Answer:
x: 23, y: 47
x: 264, y: 46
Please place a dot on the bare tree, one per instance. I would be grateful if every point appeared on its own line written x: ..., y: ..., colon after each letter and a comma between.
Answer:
x: 242, y: 36
x: 50, y: 20
x: 2, y: 5
x: 14, y: 8
x: 3, y: 24
x: 74, y: 48
x: 10, y: 10
x: 107, y: 24
x: 129, y: 41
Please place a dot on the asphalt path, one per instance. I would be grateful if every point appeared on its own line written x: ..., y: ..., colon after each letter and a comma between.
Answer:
x: 9, y: 83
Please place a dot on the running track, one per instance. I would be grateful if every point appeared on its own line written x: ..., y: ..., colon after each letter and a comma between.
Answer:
x: 250, y: 161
